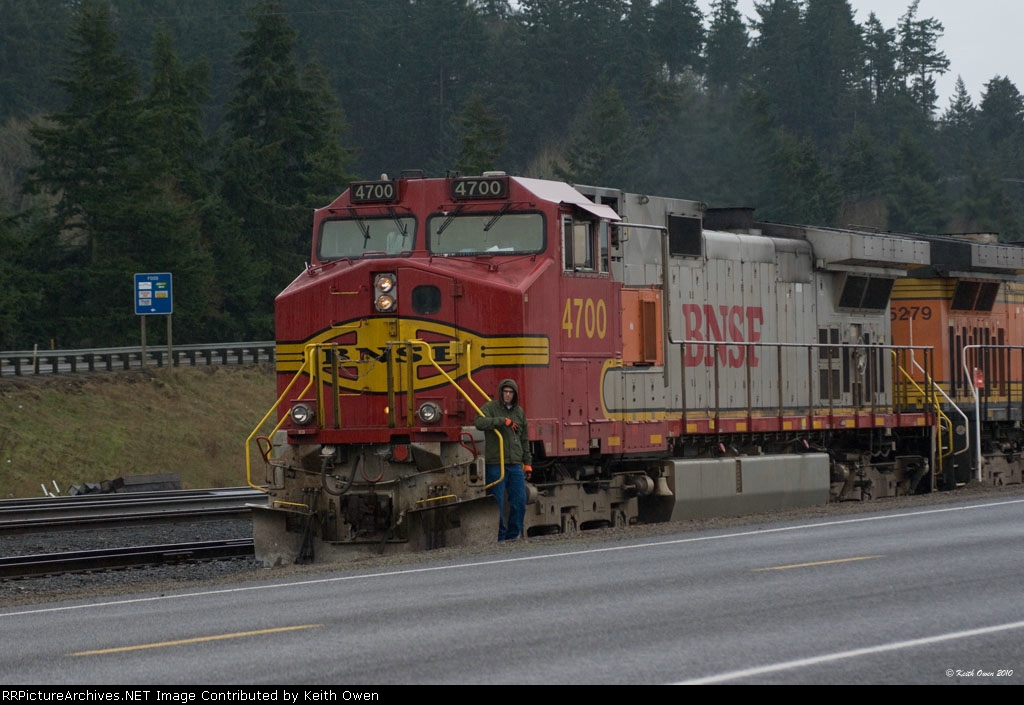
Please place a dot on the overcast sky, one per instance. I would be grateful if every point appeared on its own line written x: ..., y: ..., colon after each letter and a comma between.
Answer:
x: 982, y: 38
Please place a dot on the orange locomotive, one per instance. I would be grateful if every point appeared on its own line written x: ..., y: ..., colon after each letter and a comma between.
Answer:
x: 673, y: 361
x: 968, y: 305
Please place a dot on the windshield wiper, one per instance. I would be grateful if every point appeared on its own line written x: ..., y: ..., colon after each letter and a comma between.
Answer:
x: 402, y: 227
x: 492, y: 221
x: 449, y: 220
x: 362, y: 226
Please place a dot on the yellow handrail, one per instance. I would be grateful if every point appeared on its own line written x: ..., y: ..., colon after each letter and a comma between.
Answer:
x: 307, y: 361
x: 460, y: 390
x: 943, y: 419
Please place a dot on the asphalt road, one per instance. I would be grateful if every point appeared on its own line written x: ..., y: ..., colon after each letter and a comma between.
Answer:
x: 928, y: 595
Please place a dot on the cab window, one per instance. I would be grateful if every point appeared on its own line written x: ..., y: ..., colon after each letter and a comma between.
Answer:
x: 584, y: 245
x: 352, y: 238
x: 485, y: 233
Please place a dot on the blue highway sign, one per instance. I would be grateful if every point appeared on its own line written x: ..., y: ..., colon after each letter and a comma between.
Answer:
x: 153, y: 294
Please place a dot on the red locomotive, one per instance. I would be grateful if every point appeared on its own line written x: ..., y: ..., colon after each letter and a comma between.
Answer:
x: 674, y: 362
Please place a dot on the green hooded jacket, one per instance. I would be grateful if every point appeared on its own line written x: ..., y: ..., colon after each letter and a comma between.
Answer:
x: 517, y: 443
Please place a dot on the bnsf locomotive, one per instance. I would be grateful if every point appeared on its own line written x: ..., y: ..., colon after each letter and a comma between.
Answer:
x: 674, y: 362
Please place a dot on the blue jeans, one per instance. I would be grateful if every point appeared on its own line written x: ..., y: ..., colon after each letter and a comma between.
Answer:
x: 514, y: 485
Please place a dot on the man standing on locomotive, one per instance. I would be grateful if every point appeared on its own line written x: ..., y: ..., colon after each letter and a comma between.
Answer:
x: 506, y: 416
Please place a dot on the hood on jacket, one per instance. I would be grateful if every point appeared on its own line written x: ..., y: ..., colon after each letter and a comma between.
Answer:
x: 515, y: 389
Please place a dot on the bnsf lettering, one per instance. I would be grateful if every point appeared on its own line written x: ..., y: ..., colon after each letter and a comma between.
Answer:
x: 733, y: 324
x: 442, y: 353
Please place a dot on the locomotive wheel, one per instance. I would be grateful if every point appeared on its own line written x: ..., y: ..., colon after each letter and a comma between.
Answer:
x: 543, y: 530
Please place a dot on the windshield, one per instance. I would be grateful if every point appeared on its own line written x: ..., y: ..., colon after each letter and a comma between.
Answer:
x: 352, y: 238
x: 489, y: 233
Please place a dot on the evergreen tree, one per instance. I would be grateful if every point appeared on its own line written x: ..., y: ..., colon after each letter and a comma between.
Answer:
x: 834, y: 60
x: 915, y: 200
x: 677, y: 34
x: 25, y: 279
x: 986, y: 207
x: 800, y: 190
x: 87, y: 153
x: 206, y: 34
x: 728, y: 45
x: 999, y: 139
x: 283, y: 153
x: 920, y: 59
x: 15, y: 159
x: 176, y: 148
x: 571, y: 47
x: 862, y: 178
x: 881, y: 55
x: 639, y: 59
x: 671, y: 127
x: 29, y: 32
x: 440, y: 52
x: 776, y: 66
x: 91, y: 160
x: 1000, y: 116
x: 961, y: 113
x: 957, y: 129
x: 482, y: 137
x: 173, y: 115
x: 862, y: 167
x: 604, y: 148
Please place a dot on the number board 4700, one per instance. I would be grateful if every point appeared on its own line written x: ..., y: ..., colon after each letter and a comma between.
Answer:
x: 373, y: 191
x: 479, y: 187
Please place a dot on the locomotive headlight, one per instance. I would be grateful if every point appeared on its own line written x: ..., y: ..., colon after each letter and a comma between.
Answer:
x: 385, y: 303
x: 384, y: 282
x: 429, y: 412
x: 302, y: 414
x: 384, y: 292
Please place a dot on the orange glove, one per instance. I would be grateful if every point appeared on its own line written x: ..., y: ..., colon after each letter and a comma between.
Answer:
x: 527, y: 470
x: 511, y: 424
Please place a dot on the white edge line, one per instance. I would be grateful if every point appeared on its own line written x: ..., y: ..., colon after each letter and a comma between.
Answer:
x: 880, y: 649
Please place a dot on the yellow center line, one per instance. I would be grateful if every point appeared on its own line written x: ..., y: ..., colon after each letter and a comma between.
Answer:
x: 810, y: 565
x: 197, y: 640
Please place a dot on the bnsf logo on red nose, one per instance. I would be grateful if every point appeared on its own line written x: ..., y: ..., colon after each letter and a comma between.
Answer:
x: 722, y: 324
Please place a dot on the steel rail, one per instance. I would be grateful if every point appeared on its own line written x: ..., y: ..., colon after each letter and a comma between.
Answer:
x: 19, y: 516
x: 101, y: 560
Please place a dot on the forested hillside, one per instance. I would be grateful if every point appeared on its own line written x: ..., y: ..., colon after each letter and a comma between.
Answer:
x: 197, y: 136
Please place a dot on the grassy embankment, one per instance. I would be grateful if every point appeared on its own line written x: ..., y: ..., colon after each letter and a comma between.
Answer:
x: 73, y: 429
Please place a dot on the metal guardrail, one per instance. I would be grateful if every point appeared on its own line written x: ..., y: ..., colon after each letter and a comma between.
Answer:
x: 21, y: 363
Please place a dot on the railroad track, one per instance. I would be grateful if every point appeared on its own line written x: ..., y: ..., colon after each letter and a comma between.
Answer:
x: 104, y: 514
x: 103, y: 560
x: 91, y: 511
